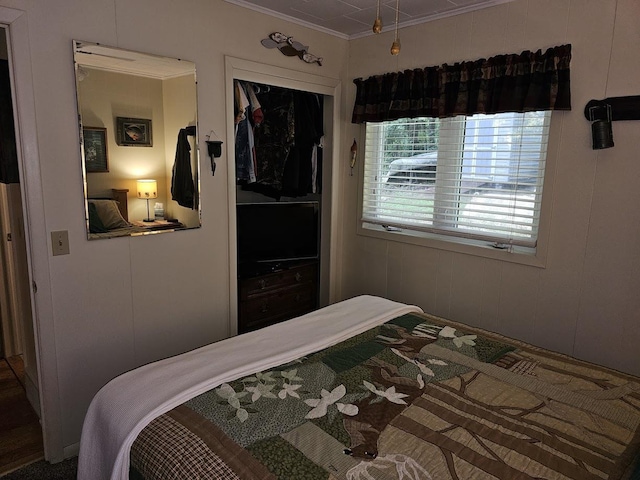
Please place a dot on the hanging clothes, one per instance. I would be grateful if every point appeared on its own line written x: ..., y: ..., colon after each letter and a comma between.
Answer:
x: 299, y: 169
x: 316, y: 166
x: 241, y: 101
x: 278, y: 132
x: 274, y: 139
x: 182, y: 185
x: 257, y: 116
x: 244, y: 139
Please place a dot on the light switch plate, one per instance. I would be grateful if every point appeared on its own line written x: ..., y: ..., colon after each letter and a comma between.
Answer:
x: 60, y: 242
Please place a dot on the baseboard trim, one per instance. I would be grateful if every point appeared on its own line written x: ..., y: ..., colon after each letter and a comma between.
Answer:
x: 71, y: 450
x: 32, y: 393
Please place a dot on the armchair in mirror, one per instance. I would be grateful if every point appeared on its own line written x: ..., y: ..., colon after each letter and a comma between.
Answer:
x: 138, y: 121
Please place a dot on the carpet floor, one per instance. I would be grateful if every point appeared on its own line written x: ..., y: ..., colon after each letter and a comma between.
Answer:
x: 42, y: 470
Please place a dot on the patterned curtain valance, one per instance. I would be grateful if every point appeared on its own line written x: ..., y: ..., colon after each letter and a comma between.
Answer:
x: 523, y: 82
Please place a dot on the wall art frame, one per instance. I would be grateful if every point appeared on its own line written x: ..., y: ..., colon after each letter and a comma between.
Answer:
x: 134, y: 132
x: 95, y: 149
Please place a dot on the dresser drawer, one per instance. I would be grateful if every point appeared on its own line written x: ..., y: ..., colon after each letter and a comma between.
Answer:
x: 275, y: 306
x: 274, y: 297
x: 274, y: 281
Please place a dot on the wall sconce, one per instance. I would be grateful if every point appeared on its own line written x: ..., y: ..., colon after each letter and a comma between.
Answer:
x: 601, y: 130
x: 147, y: 189
x: 214, y: 150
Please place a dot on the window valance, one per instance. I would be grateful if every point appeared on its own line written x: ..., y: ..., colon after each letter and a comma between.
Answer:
x: 529, y: 81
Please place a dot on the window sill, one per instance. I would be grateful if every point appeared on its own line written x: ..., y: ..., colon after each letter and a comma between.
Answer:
x: 520, y: 255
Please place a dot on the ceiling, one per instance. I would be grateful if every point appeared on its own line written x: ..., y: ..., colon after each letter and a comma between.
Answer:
x: 127, y: 62
x: 354, y: 18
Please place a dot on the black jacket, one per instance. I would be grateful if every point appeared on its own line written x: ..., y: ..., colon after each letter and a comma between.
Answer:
x: 182, y: 186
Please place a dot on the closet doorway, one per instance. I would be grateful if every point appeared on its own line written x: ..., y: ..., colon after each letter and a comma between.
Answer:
x: 20, y: 432
x: 327, y: 92
x: 42, y: 387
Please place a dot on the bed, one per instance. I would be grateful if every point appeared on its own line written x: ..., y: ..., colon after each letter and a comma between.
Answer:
x: 109, y: 218
x: 365, y: 389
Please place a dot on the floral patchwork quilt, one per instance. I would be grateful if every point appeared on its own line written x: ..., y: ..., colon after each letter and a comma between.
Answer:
x: 415, y: 398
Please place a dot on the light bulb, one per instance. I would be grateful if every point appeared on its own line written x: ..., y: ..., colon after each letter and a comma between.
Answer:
x: 377, y: 25
x: 395, y: 47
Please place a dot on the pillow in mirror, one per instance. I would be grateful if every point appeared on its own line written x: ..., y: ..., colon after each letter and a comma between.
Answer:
x: 109, y: 214
x: 95, y: 223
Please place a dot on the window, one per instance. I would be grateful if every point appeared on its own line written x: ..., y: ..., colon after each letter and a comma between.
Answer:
x: 477, y: 177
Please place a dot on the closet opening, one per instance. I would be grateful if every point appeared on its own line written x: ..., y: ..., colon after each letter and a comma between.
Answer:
x: 281, y: 154
x: 279, y: 142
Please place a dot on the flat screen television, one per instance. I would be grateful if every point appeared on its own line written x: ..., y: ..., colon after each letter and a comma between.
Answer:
x: 277, y: 232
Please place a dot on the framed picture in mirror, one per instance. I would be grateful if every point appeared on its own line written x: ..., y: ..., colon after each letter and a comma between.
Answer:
x: 95, y: 149
x: 133, y: 132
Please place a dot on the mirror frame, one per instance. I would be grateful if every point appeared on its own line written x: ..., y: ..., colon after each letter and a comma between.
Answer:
x: 109, y: 138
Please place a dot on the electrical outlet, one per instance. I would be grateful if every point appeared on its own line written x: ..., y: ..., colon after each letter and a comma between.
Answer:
x: 60, y: 242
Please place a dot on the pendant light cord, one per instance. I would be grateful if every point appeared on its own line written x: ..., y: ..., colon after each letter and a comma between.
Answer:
x: 397, y: 10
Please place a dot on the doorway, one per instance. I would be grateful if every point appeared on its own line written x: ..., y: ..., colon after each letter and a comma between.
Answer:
x: 20, y: 429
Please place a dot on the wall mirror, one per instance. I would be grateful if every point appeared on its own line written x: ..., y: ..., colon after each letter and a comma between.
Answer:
x: 138, y: 141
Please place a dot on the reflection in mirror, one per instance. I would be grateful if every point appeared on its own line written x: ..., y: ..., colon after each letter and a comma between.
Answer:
x: 138, y: 122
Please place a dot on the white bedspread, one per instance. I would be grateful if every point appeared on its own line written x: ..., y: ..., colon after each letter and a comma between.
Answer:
x: 123, y: 407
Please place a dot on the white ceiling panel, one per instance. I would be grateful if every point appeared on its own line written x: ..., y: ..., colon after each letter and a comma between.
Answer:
x: 354, y: 18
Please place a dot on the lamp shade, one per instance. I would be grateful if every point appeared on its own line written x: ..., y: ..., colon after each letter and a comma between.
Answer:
x: 147, y: 189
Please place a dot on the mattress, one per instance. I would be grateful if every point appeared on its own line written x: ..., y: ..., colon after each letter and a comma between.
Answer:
x: 412, y: 396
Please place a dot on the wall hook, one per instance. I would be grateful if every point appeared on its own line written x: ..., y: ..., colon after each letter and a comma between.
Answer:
x: 214, y: 149
x: 354, y: 155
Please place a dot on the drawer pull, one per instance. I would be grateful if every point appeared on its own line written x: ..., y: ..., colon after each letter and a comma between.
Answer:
x: 298, y: 277
x: 262, y: 283
x: 264, y: 308
x: 297, y: 297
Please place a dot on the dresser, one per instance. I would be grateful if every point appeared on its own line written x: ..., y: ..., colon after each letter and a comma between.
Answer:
x: 268, y: 298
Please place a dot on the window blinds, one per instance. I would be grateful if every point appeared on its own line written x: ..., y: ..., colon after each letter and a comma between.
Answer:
x: 477, y: 177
